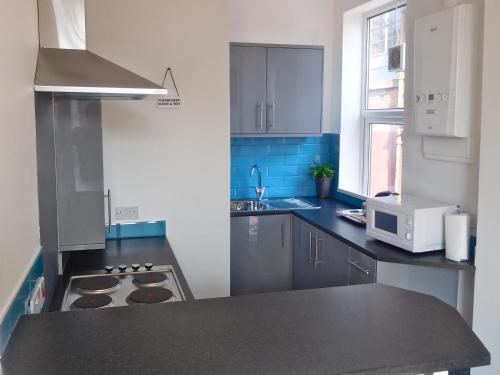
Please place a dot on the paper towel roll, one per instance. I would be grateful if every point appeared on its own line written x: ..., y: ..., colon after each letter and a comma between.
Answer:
x: 457, y: 233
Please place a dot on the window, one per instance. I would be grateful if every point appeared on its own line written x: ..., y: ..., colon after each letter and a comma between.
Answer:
x: 384, y: 88
x: 383, y: 101
x: 384, y: 157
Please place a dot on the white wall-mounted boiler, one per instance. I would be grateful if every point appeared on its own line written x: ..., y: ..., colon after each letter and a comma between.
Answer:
x: 447, y: 57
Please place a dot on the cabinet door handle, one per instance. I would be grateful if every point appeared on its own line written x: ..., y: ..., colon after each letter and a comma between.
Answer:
x: 110, y: 223
x: 310, y: 247
x: 272, y: 116
x: 283, y: 233
x: 260, y: 115
x: 317, y: 259
x: 356, y: 265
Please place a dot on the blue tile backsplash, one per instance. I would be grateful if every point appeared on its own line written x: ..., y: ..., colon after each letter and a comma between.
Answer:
x: 141, y: 229
x: 285, y: 164
x: 20, y: 304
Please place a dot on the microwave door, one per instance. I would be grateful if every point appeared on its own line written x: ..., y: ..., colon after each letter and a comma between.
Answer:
x: 386, y: 225
x: 386, y: 222
x: 389, y: 227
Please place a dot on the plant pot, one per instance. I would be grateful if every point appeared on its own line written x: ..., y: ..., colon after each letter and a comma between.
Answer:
x: 323, y: 187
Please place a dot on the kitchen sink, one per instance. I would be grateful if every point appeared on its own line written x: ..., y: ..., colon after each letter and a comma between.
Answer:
x: 249, y: 205
x: 272, y: 204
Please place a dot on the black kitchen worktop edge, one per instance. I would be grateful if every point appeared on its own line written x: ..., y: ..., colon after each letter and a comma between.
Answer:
x: 156, y: 250
x: 366, y: 329
x: 354, y: 235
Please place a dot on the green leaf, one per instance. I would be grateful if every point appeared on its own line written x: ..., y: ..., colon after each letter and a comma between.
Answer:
x: 323, y: 170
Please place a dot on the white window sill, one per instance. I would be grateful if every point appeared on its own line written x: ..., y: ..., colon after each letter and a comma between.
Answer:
x: 354, y: 195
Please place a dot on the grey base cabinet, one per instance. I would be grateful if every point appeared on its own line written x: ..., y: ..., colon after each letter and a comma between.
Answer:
x: 319, y: 260
x: 272, y: 253
x: 260, y: 254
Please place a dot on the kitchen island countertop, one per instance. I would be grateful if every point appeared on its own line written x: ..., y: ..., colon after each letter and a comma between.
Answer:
x: 365, y: 329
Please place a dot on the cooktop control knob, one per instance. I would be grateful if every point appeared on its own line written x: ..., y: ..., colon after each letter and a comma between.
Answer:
x: 149, y: 266
x: 109, y: 268
x: 135, y: 267
x: 122, y: 267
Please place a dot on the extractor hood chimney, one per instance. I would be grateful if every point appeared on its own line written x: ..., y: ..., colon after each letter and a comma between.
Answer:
x: 66, y: 67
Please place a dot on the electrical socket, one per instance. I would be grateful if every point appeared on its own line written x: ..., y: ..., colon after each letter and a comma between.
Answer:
x: 37, y: 299
x: 127, y: 213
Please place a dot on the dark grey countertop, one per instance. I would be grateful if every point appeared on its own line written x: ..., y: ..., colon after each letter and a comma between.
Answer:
x: 355, y: 236
x: 126, y: 251
x: 365, y: 329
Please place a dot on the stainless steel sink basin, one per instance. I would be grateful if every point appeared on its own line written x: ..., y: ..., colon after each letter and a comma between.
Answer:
x: 272, y: 204
x: 248, y: 205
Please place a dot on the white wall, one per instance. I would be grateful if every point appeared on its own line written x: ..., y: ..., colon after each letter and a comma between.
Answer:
x: 454, y: 183
x: 19, y: 243
x: 351, y: 150
x: 302, y: 22
x: 172, y: 164
x: 487, y: 300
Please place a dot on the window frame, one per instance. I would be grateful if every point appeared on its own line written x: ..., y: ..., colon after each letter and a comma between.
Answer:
x: 393, y: 116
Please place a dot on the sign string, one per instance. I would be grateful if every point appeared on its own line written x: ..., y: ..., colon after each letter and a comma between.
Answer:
x: 169, y: 70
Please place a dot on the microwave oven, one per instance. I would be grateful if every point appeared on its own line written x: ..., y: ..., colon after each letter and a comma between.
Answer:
x: 411, y: 223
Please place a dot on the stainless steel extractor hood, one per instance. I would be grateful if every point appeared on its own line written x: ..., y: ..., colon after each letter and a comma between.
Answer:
x: 66, y: 67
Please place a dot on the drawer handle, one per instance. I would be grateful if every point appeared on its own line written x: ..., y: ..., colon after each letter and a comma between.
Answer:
x: 356, y: 265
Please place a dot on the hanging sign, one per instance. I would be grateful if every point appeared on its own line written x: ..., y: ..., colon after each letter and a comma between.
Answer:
x: 171, y: 100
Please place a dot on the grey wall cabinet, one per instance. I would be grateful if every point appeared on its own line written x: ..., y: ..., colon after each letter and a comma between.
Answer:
x: 248, y: 90
x: 272, y: 253
x: 79, y: 168
x: 70, y: 173
x: 276, y: 90
x: 260, y: 254
x: 319, y: 260
x: 294, y: 90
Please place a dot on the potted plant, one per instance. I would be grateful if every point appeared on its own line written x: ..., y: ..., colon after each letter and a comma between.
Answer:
x: 323, y: 175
